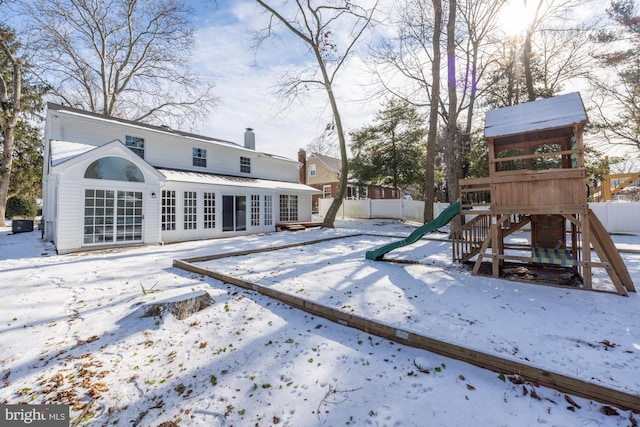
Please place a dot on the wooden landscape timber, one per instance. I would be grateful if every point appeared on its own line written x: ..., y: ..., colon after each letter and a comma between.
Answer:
x: 532, y: 374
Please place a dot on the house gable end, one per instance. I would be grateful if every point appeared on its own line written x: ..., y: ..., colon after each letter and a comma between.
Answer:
x: 114, y: 148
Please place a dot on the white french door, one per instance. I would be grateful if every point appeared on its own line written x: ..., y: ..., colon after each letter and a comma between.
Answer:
x: 112, y: 216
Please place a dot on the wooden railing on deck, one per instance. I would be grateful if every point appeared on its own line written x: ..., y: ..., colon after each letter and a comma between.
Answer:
x: 468, y: 239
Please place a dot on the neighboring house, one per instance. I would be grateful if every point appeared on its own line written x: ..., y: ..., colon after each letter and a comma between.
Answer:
x: 109, y: 182
x: 323, y: 173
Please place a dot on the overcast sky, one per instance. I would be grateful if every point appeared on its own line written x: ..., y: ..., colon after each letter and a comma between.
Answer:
x: 246, y: 81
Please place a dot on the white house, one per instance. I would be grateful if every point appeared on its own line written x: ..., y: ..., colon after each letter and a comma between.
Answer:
x: 109, y: 182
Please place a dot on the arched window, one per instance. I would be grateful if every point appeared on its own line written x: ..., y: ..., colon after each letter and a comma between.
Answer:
x: 114, y: 169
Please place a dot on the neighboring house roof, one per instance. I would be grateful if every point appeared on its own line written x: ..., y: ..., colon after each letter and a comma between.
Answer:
x: 331, y: 163
x: 236, y: 181
x: 555, y: 112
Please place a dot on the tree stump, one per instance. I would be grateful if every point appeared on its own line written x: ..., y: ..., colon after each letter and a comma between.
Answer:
x: 181, y: 306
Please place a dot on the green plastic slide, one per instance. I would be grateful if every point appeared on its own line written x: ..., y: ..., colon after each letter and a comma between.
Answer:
x: 442, y: 220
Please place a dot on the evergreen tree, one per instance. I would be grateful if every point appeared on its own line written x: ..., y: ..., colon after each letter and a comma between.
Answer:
x: 20, y: 103
x: 619, y: 106
x: 26, y: 176
x: 390, y: 152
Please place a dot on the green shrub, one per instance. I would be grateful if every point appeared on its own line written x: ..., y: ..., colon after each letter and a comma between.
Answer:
x: 24, y: 207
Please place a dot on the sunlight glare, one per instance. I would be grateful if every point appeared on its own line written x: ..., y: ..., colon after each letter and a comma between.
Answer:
x: 516, y: 15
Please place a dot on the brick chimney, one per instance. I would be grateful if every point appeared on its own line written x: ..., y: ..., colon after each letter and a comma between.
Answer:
x: 302, y: 158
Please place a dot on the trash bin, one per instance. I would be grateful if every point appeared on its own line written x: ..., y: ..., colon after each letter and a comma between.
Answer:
x: 21, y: 225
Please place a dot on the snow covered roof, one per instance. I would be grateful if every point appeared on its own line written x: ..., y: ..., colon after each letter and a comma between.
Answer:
x: 65, y: 150
x: 549, y: 113
x: 234, y: 181
x: 161, y: 129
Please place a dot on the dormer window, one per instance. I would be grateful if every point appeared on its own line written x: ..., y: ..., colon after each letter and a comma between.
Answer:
x: 200, y: 157
x: 135, y: 144
x: 245, y: 164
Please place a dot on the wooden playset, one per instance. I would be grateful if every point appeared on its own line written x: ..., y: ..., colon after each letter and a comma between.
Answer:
x: 537, y: 182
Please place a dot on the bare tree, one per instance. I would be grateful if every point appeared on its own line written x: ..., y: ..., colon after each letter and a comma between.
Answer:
x: 407, y: 65
x: 317, y: 26
x: 451, y: 145
x: 616, y: 91
x: 10, y: 107
x: 556, y: 43
x: 412, y: 57
x: 432, y: 134
x: 121, y: 58
x: 480, y: 21
x: 327, y: 143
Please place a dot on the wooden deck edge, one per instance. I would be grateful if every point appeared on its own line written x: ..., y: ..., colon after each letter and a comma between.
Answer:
x: 538, y: 376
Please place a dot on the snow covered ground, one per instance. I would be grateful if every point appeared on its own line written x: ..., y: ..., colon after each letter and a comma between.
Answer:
x: 70, y: 332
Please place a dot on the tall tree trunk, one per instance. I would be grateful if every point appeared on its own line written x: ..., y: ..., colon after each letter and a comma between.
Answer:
x: 314, y: 32
x: 465, y: 138
x: 432, y: 135
x: 451, y: 150
x: 527, y: 52
x: 451, y: 140
x: 8, y: 123
x: 528, y: 75
x: 330, y: 216
x: 5, y: 170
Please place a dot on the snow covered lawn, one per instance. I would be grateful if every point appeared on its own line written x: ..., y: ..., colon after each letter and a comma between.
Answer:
x: 70, y: 332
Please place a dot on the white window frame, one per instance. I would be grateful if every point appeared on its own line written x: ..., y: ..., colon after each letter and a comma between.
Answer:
x: 245, y: 164
x: 168, y: 210
x: 199, y: 157
x: 133, y: 143
x: 209, y: 205
x: 288, y: 207
x: 190, y: 209
x: 326, y: 191
x: 255, y: 210
x: 268, y: 210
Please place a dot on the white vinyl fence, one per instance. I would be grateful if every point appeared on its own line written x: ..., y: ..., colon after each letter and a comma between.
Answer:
x: 617, y: 217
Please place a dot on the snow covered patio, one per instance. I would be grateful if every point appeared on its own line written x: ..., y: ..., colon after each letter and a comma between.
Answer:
x: 71, y: 333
